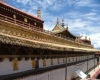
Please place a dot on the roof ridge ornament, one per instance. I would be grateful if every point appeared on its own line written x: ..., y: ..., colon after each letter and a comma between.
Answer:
x: 38, y: 13
x: 62, y: 23
x: 80, y: 36
x: 57, y: 21
x: 67, y: 26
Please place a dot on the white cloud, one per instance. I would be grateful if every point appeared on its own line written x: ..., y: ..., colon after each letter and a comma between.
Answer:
x: 95, y: 37
x: 82, y: 3
x: 79, y: 23
x: 24, y: 2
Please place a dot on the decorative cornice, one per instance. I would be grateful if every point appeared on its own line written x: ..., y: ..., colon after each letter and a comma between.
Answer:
x: 4, y: 38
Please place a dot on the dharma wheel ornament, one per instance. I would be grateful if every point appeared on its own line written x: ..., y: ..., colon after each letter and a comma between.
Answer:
x: 25, y: 19
x: 34, y: 23
x: 14, y: 16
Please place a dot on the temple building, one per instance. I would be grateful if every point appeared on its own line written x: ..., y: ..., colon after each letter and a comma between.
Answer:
x: 28, y: 52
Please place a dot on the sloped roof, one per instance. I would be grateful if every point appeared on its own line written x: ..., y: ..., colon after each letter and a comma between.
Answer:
x: 59, y: 29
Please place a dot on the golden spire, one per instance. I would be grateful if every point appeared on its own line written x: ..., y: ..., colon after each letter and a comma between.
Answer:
x: 57, y: 21
x: 67, y: 26
x: 62, y: 23
x: 38, y: 13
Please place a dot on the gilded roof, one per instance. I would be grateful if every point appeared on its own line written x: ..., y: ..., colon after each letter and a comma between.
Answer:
x: 57, y: 27
x: 9, y: 39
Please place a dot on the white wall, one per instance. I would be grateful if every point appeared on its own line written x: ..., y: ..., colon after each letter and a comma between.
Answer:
x: 59, y: 74
x: 7, y: 68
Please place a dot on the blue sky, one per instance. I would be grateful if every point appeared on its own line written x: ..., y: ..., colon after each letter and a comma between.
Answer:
x: 82, y: 16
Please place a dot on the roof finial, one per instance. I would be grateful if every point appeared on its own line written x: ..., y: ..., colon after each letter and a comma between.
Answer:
x: 62, y: 23
x: 67, y: 26
x: 57, y: 21
x: 38, y: 13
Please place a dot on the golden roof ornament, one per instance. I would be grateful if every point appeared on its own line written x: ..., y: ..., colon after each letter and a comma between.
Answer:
x: 25, y: 19
x: 57, y: 21
x: 14, y: 16
x: 80, y: 36
x: 67, y: 26
x: 62, y: 23
x: 38, y: 13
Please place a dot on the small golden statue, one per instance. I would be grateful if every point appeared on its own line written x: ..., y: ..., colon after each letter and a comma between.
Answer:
x: 33, y: 63
x: 15, y: 65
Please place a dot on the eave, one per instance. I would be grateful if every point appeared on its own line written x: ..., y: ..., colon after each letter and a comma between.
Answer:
x: 9, y: 39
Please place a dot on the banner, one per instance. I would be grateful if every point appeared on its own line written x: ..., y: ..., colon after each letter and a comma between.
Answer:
x: 81, y: 74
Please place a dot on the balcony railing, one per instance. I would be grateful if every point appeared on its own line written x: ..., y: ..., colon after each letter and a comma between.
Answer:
x: 34, y: 28
x: 17, y: 22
